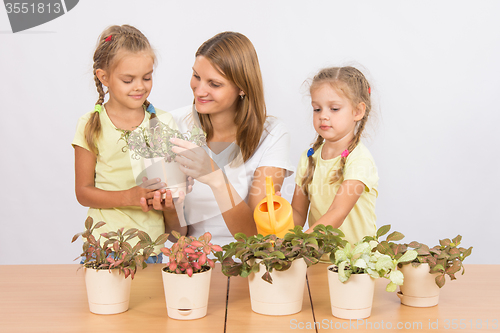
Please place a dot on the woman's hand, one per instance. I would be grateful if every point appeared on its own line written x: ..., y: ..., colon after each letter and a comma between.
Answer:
x: 194, y: 161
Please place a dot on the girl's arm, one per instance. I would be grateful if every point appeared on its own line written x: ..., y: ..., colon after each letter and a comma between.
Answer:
x: 300, y: 206
x: 344, y: 201
x: 90, y: 196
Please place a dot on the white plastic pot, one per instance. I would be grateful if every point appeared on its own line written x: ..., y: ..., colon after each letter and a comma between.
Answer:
x: 168, y: 172
x: 282, y: 297
x: 352, y: 299
x: 108, y: 291
x: 419, y: 288
x: 186, y: 297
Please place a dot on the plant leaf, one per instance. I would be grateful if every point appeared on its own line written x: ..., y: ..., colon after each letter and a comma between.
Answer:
x: 409, y: 255
x: 383, y: 230
x: 440, y: 280
x: 99, y: 224
x: 88, y: 222
x: 391, y: 287
x: 267, y: 277
x: 395, y: 236
x: 396, y: 277
x: 384, y: 263
x: 445, y: 242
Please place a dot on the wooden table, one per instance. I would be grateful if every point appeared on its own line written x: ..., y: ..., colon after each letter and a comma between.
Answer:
x: 52, y: 298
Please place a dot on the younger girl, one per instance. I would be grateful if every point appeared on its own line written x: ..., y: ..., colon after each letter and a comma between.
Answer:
x: 337, y: 178
x: 104, y: 177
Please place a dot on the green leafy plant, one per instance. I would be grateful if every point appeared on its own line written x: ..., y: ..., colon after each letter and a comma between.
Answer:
x: 116, y: 251
x: 379, y: 259
x: 444, y: 259
x: 276, y: 253
x: 360, y: 259
x: 154, y: 140
x: 190, y: 255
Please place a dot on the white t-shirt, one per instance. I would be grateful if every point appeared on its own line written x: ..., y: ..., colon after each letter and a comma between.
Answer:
x: 201, y: 210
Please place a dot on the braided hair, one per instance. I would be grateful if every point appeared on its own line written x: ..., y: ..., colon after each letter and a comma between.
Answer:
x: 354, y: 85
x: 112, y: 40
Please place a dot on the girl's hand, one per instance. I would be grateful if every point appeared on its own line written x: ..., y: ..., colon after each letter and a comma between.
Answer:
x: 135, y: 194
x: 194, y: 161
x: 155, y: 200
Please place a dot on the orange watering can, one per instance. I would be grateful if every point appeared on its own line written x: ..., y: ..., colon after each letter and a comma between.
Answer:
x: 273, y: 215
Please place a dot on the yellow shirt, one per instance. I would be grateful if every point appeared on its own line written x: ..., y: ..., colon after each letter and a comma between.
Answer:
x: 361, y: 221
x: 114, y: 171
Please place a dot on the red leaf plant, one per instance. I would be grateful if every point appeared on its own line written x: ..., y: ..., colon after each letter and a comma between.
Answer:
x: 190, y: 255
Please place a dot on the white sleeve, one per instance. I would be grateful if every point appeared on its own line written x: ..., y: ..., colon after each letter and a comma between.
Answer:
x: 276, y: 146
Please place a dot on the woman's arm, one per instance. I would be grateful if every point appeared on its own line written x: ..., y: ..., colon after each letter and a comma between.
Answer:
x: 240, y: 218
x: 237, y: 214
x: 90, y: 196
x: 343, y: 202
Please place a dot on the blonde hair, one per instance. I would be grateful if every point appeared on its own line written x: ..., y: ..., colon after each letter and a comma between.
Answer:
x: 356, y: 88
x: 112, y: 41
x: 234, y: 56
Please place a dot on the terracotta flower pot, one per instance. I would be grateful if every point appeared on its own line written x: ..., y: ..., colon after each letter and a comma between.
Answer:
x: 282, y: 297
x: 419, y: 288
x: 352, y: 299
x: 168, y: 172
x: 108, y: 291
x: 186, y: 297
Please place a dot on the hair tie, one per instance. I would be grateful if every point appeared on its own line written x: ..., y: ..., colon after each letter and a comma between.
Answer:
x: 310, y: 152
x: 98, y: 108
x: 369, y: 90
x: 151, y: 109
x: 345, y: 153
x: 108, y: 39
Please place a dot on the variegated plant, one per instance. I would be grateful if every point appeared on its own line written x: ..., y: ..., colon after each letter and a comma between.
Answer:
x: 190, y: 255
x: 116, y: 251
x: 364, y: 258
x: 154, y: 140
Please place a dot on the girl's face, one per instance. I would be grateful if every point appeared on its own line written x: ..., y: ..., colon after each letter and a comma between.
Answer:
x: 334, y: 117
x: 130, y: 81
x: 213, y: 93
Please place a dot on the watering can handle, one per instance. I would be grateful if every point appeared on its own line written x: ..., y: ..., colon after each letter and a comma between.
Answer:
x: 270, y: 202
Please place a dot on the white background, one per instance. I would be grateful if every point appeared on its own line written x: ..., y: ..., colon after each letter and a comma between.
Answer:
x: 435, y: 73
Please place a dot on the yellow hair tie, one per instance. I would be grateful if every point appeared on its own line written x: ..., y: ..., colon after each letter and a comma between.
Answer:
x: 98, y: 108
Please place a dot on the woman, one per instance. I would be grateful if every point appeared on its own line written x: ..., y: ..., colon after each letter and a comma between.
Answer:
x: 243, y: 144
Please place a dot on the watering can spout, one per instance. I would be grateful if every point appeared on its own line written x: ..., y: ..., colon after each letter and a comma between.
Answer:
x: 273, y: 214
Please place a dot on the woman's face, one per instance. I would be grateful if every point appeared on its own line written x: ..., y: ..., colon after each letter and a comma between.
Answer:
x: 213, y: 93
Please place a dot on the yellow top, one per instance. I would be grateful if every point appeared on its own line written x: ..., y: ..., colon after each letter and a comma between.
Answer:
x: 114, y: 171
x: 361, y: 221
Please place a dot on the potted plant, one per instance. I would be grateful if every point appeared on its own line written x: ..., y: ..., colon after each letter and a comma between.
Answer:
x: 108, y: 264
x: 276, y: 267
x: 153, y: 144
x: 186, y: 278
x: 352, y: 276
x: 426, y: 274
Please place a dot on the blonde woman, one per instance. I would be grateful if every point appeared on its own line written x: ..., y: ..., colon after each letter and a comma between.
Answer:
x: 244, y: 145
